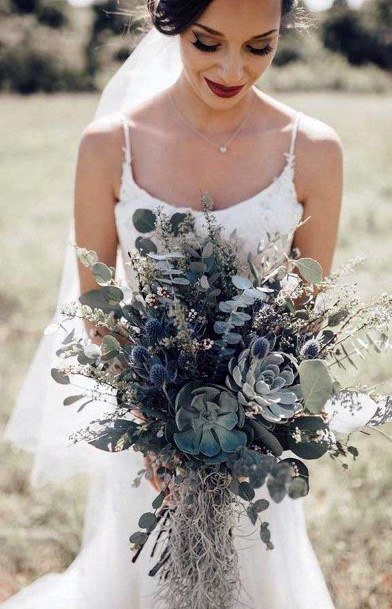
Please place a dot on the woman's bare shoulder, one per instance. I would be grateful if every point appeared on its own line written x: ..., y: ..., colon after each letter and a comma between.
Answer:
x: 103, y: 136
x: 318, y: 147
x: 311, y: 131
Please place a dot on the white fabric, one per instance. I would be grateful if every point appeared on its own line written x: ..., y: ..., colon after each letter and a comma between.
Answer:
x: 39, y: 423
x: 102, y: 576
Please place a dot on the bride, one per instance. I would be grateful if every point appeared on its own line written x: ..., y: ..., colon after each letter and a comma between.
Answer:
x: 182, y: 116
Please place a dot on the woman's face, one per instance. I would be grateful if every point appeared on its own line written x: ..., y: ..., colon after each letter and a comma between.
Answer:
x: 234, y: 47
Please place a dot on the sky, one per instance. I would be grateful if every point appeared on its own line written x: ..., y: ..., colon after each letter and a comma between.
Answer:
x: 314, y: 5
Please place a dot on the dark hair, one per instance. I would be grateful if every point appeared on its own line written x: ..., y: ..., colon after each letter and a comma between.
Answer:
x: 172, y: 17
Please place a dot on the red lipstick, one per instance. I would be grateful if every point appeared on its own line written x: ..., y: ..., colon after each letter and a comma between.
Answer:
x: 221, y: 90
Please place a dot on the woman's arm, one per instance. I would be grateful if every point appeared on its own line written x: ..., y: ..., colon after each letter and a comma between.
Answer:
x: 94, y: 198
x: 95, y: 228
x: 319, y: 183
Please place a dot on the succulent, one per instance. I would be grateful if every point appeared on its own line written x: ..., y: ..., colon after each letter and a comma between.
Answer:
x: 264, y: 384
x: 208, y: 417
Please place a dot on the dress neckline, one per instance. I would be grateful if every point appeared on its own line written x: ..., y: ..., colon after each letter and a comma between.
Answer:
x: 129, y: 189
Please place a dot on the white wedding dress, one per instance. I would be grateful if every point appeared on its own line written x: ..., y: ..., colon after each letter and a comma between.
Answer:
x: 103, y: 576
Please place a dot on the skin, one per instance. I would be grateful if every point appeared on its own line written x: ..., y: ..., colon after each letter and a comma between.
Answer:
x: 164, y: 146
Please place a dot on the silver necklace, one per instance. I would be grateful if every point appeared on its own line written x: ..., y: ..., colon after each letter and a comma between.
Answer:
x: 223, y: 147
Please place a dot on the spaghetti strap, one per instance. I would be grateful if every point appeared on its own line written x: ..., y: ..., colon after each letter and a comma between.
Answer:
x: 127, y: 147
x: 294, y: 134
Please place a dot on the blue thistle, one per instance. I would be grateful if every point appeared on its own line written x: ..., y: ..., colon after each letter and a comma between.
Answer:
x: 261, y: 347
x: 139, y: 355
x: 154, y: 329
x: 310, y: 349
x: 158, y: 375
x: 171, y: 370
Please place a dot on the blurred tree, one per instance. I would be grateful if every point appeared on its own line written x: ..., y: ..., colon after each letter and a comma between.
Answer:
x: 52, y: 14
x: 112, y: 26
x: 290, y: 48
x: 363, y: 35
x: 42, y: 46
x: 24, y: 6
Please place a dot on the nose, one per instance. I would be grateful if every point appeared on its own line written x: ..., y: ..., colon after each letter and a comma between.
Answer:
x: 231, y: 69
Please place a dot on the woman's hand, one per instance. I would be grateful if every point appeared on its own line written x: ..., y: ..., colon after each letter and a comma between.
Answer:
x: 159, y: 485
x: 156, y: 482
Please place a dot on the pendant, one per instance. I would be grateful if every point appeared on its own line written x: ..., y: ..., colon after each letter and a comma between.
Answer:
x: 223, y: 149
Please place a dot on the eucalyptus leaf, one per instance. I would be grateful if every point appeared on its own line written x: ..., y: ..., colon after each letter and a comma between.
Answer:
x: 242, y: 283
x: 191, y: 251
x: 204, y: 282
x: 87, y: 257
x: 59, y: 376
x: 180, y: 281
x: 277, y: 489
x: 147, y: 521
x: 165, y: 256
x: 92, y: 351
x: 307, y: 448
x: 51, y: 329
x: 227, y: 306
x: 316, y: 384
x: 246, y: 491
x: 260, y: 505
x: 310, y: 270
x: 144, y: 220
x: 138, y: 538
x: 252, y: 514
x: 236, y: 319
x: 69, y: 338
x: 220, y: 327
x: 297, y: 488
x: 145, y: 245
x: 159, y: 499
x: 112, y: 294
x: 110, y: 347
x: 214, y: 293
x: 197, y: 267
x: 95, y: 300
x: 71, y: 399
x: 208, y: 250
x: 176, y: 220
x: 233, y: 338
x: 265, y: 533
x: 102, y: 273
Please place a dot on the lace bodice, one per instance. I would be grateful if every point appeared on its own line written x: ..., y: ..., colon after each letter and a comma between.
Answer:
x: 275, y: 209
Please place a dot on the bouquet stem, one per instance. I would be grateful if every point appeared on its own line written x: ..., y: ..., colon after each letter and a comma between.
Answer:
x: 202, y: 569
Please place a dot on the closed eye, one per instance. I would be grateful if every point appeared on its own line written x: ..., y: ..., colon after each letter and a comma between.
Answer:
x: 206, y: 48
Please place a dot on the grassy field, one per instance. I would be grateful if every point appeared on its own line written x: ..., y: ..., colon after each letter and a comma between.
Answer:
x: 348, y: 512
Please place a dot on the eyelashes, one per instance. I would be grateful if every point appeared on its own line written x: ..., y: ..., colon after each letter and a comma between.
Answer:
x: 212, y: 48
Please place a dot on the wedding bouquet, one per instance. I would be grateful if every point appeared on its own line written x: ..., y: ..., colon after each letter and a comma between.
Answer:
x: 216, y: 366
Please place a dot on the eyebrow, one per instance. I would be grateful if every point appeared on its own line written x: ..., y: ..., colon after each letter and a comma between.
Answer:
x: 216, y: 33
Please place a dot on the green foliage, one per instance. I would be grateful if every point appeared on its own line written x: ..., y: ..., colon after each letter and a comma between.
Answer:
x: 53, y: 15
x: 310, y: 270
x: 24, y: 6
x: 111, y: 27
x: 309, y: 445
x: 27, y: 70
x: 362, y: 36
x: 316, y: 384
x: 144, y: 220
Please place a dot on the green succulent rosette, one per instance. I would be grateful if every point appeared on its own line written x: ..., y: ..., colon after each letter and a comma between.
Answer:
x: 208, y: 418
x: 265, y: 385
